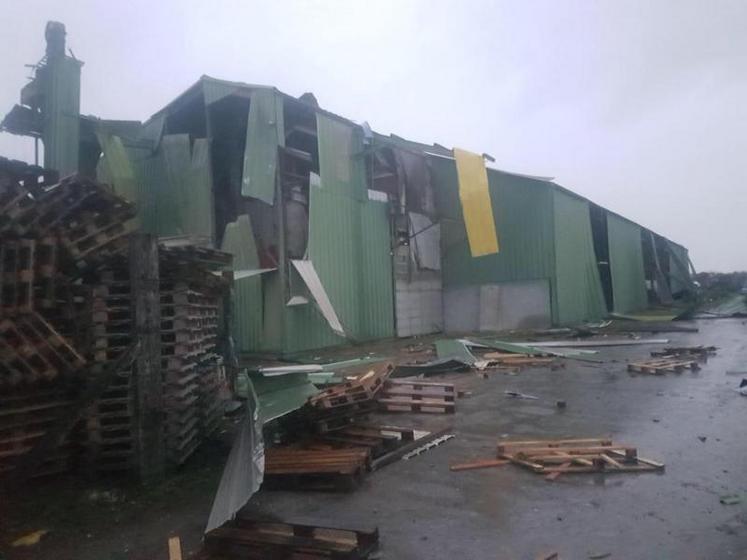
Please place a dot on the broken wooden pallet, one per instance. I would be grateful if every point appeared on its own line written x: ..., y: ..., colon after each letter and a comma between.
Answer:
x: 686, y: 351
x: 661, y: 366
x: 252, y: 539
x: 358, y: 390
x: 379, y: 440
x: 566, y: 456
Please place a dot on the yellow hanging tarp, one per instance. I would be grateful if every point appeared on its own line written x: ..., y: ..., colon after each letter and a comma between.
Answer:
x: 476, y: 206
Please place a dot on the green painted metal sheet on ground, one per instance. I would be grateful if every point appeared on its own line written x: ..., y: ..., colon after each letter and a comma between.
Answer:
x: 59, y: 81
x: 534, y: 350
x: 282, y: 394
x: 264, y: 133
x: 577, y: 293
x: 247, y: 312
x: 451, y: 348
x: 523, y: 211
x: 626, y: 265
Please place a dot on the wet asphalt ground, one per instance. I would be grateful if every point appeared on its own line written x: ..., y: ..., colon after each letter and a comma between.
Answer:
x: 694, y: 422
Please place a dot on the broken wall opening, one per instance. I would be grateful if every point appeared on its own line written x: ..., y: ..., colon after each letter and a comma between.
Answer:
x: 598, y: 216
x: 403, y: 178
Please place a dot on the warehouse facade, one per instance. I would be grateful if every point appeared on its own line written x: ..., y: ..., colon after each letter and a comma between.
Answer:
x: 341, y: 234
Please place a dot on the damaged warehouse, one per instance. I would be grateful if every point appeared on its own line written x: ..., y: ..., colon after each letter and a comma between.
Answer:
x: 343, y: 234
x: 247, y: 267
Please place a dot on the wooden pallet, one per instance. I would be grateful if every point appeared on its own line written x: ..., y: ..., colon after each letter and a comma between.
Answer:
x: 417, y: 390
x: 378, y: 439
x: 416, y: 404
x: 664, y: 365
x: 248, y: 538
x: 315, y: 469
x: 328, y: 420
x: 567, y: 456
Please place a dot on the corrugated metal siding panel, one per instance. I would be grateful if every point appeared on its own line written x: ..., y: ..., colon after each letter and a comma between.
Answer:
x: 60, y: 79
x: 334, y: 236
x: 523, y: 211
x: 265, y: 131
x: 577, y: 291
x: 626, y: 265
x: 246, y: 326
x: 349, y: 246
x: 377, y: 310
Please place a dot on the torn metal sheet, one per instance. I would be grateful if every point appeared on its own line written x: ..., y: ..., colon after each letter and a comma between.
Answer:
x: 431, y: 368
x: 264, y: 133
x: 531, y: 349
x: 477, y: 207
x: 314, y: 284
x: 241, y: 274
x: 593, y: 343
x: 279, y: 395
x: 242, y: 475
x: 453, y: 348
x: 426, y: 240
x: 247, y: 313
x: 282, y: 370
x: 296, y: 300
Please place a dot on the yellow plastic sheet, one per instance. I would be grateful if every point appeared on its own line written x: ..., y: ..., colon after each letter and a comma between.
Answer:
x: 476, y: 206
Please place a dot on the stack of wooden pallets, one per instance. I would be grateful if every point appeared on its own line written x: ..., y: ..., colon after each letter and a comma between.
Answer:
x: 25, y: 415
x: 193, y: 369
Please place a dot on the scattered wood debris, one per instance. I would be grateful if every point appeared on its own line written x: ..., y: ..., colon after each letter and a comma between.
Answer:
x: 701, y: 352
x: 660, y: 366
x: 565, y: 456
x: 247, y: 538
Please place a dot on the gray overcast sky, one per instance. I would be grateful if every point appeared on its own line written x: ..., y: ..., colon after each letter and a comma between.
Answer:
x: 639, y: 105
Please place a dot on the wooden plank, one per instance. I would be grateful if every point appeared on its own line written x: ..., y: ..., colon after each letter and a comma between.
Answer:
x: 553, y: 475
x: 149, y: 422
x: 481, y: 464
x: 175, y: 548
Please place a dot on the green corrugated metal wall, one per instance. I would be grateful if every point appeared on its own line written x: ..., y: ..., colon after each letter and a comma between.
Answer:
x: 577, y: 291
x: 265, y: 131
x: 60, y: 82
x: 377, y: 297
x: 626, y: 265
x: 523, y: 212
x: 246, y: 319
x: 172, y: 187
x: 349, y: 246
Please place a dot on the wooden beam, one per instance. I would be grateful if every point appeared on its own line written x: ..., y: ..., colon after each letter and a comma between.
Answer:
x: 481, y: 464
x: 149, y: 417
